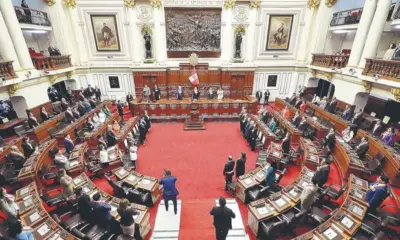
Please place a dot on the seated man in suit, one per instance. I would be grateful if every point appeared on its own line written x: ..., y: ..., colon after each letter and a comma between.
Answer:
x: 64, y: 104
x: 32, y: 121
x: 331, y: 107
x: 210, y: 93
x: 377, y: 193
x: 228, y: 171
x: 296, y: 119
x: 179, y: 93
x: 322, y: 173
x: 27, y: 147
x: 195, y: 94
x: 44, y: 115
x: 101, y: 211
x: 222, y: 219
x: 81, y: 108
x: 111, y: 139
x: 362, y: 148
x: 69, y: 115
x: 347, y: 113
x: 16, y: 157
x: 68, y: 144
x: 303, y: 125
x: 293, y: 99
x: 75, y: 113
x: 377, y: 129
x: 101, y: 141
x: 358, y: 117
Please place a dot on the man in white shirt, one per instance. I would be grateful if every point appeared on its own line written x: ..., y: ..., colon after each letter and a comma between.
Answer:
x: 103, y: 155
x: 61, y: 160
x: 220, y: 93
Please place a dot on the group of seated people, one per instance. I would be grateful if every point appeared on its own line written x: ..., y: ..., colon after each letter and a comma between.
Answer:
x: 210, y: 94
x: 16, y: 157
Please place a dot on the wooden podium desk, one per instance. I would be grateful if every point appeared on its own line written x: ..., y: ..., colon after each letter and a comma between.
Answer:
x: 78, y: 124
x: 283, y: 122
x: 310, y: 157
x: 125, y: 130
x: 174, y: 107
x: 321, y: 130
x: 7, y: 149
x: 91, y: 138
x: 244, y: 183
x: 267, y: 135
x: 40, y: 133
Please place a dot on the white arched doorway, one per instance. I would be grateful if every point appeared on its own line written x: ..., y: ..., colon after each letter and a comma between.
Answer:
x: 361, y: 100
x: 19, y: 104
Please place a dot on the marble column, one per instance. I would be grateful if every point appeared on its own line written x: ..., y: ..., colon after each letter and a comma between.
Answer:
x: 375, y: 31
x: 137, y: 49
x: 305, y: 30
x: 63, y: 34
x: 250, y: 35
x: 158, y: 38
x: 7, y: 50
x: 227, y: 40
x: 362, y: 32
x: 78, y: 30
x: 16, y: 35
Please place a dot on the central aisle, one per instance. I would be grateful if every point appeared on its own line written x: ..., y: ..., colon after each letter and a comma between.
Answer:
x: 196, y: 158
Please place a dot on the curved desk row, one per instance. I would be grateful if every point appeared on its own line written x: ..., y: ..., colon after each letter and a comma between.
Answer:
x: 288, y: 125
x: 175, y: 108
x: 266, y: 135
x: 130, y: 126
x: 321, y: 130
x: 40, y: 133
x: 91, y: 138
x: 7, y: 149
x: 392, y: 158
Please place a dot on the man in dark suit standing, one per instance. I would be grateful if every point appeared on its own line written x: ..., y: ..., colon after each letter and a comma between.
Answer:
x: 331, y: 107
x: 362, y: 148
x: 129, y: 97
x: 101, y: 211
x: 142, y: 131
x: 228, y: 171
x: 241, y: 165
x: 377, y: 130
x: 322, y: 173
x: 258, y: 96
x: 266, y: 96
x: 27, y: 147
x: 222, y: 219
x: 303, y: 125
x: 347, y: 114
x: 81, y: 108
x: 111, y: 140
x: 120, y: 108
x: 97, y: 93
x: 69, y: 116
x: 286, y: 144
x: 329, y: 140
x: 68, y: 144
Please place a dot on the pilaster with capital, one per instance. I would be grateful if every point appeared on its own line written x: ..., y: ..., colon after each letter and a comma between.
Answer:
x: 227, y: 39
x: 305, y: 30
x: 6, y: 46
x: 250, y: 34
x: 78, y: 28
x: 159, y: 49
x: 137, y: 53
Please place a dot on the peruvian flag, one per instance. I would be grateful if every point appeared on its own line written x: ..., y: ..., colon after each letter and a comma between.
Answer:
x: 193, y: 78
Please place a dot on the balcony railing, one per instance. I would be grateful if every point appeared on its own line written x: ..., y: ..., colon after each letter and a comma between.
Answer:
x: 347, y: 17
x: 7, y: 71
x: 382, y: 68
x: 330, y: 61
x: 32, y: 16
x: 52, y: 63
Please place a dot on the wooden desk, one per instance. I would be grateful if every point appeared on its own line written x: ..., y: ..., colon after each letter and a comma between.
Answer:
x: 25, y: 191
x: 91, y: 138
x: 244, y: 183
x: 40, y: 133
x: 7, y: 149
x: 283, y: 122
x: 7, y: 129
x: 320, y: 113
x: 125, y: 130
x: 321, y: 130
x: 174, y: 108
x: 310, y: 157
x: 267, y: 135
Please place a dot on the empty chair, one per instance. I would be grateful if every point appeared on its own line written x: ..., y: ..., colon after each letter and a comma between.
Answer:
x: 320, y: 216
x: 273, y: 229
x: 261, y: 191
x: 52, y: 132
x: 53, y: 200
x: 332, y: 193
x: 20, y: 130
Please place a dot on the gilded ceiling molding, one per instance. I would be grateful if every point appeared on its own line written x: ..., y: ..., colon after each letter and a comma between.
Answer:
x: 255, y: 3
x: 396, y: 93
x: 69, y: 74
x: 330, y: 3
x: 12, y: 89
x: 328, y: 75
x: 367, y: 86
x: 313, y: 3
x: 70, y: 3
x: 50, y: 2
x: 240, y: 29
x: 228, y: 4
x: 53, y: 78
x: 130, y: 4
x: 156, y: 3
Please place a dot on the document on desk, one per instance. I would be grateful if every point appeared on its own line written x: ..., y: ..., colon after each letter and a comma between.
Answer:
x: 24, y: 190
x: 263, y: 210
x: 146, y: 181
x: 86, y: 190
x: 33, y: 217
x: 248, y: 181
x: 293, y: 192
x: 358, y: 194
x: 43, y: 230
x: 56, y: 236
x: 276, y: 154
x: 358, y: 210
x: 77, y: 181
x: 73, y: 163
x: 131, y: 178
x: 28, y: 202
x: 280, y: 202
x: 347, y: 222
x: 330, y: 234
x: 122, y: 171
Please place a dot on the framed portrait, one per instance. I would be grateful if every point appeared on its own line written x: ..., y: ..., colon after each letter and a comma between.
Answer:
x: 114, y: 82
x: 105, y: 32
x: 272, y: 80
x: 279, y: 31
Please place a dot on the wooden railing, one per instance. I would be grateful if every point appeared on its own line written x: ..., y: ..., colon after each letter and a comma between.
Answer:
x: 7, y: 71
x: 52, y: 63
x: 330, y: 61
x: 382, y: 68
x: 32, y: 16
x: 347, y: 17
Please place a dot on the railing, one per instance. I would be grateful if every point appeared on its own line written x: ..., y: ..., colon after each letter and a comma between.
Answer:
x: 330, y: 61
x: 382, y: 68
x: 31, y: 16
x: 52, y: 63
x: 7, y: 71
x: 351, y: 16
x: 396, y: 14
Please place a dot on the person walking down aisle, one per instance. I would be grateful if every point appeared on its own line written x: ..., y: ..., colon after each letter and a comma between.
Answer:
x: 222, y: 219
x: 170, y: 192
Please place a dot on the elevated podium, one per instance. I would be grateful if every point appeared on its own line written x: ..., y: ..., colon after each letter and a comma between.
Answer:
x: 194, y: 122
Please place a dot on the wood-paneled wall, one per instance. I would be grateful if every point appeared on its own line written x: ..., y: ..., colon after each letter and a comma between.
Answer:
x: 236, y: 84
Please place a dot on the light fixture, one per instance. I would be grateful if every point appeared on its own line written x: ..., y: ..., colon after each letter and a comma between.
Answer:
x: 38, y: 31
x: 340, y: 31
x: 397, y: 27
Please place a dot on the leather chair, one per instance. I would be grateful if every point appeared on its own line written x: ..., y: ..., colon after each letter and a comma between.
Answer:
x: 331, y: 193
x: 49, y: 173
x: 363, y: 234
x: 261, y: 191
x: 9, y: 176
x: 52, y: 132
x: 54, y: 200
x: 319, y: 216
x: 20, y: 130
x: 273, y: 229
x: 74, y: 220
x: 117, y: 187
x: 94, y: 169
x: 136, y: 196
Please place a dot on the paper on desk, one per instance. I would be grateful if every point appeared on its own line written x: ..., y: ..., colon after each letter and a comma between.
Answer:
x: 121, y: 171
x: 24, y: 190
x: 248, y: 181
x: 357, y: 210
x: 330, y: 234
x: 77, y: 181
x: 131, y: 178
x: 262, y: 210
x: 280, y: 202
x: 43, y: 230
x: 146, y: 181
x: 347, y: 222
x: 33, y: 217
x: 293, y: 192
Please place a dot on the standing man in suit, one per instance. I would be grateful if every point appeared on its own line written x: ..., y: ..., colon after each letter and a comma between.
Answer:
x: 362, y: 148
x: 32, y: 121
x: 322, y: 173
x: 293, y: 99
x: 97, y: 93
x: 228, y: 171
x: 81, y: 108
x: 258, y: 96
x: 170, y: 192
x: 69, y: 115
x: 347, y: 114
x: 377, y: 193
x: 377, y: 130
x: 157, y: 93
x: 210, y: 93
x: 329, y: 140
x: 101, y: 211
x: 222, y: 219
x: 266, y: 96
x: 129, y: 97
x: 303, y: 124
x: 331, y: 107
x: 120, y: 109
x: 179, y: 93
x: 286, y: 144
x: 27, y: 147
x: 142, y: 132
x: 241, y: 165
x: 146, y: 93
x: 68, y: 144
x: 111, y: 140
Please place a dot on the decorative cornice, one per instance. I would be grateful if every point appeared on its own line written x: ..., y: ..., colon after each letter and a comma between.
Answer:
x: 145, y: 28
x: 313, y: 3
x: 255, y: 3
x: 12, y: 89
x: 50, y: 2
x: 156, y: 3
x: 330, y: 3
x: 328, y: 75
x: 396, y: 93
x: 70, y: 3
x: 130, y: 4
x: 367, y: 86
x: 240, y: 29
x: 69, y: 74
x: 228, y: 4
x: 53, y: 78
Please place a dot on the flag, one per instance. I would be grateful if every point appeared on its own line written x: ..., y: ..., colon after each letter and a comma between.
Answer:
x: 193, y: 78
